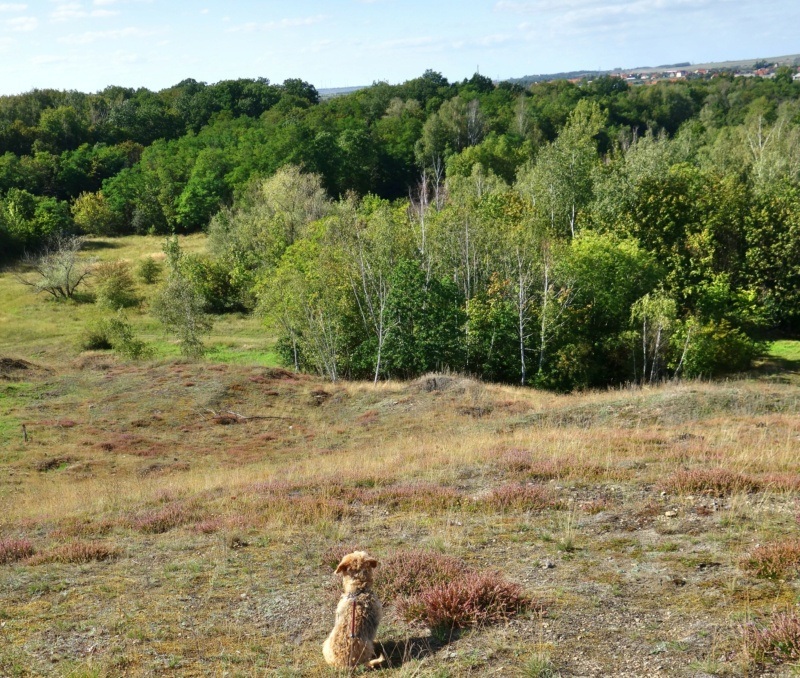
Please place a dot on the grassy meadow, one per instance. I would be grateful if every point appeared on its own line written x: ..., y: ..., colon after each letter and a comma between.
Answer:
x: 184, y: 518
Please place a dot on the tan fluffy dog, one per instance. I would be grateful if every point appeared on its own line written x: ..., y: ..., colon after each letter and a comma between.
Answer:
x: 351, y: 643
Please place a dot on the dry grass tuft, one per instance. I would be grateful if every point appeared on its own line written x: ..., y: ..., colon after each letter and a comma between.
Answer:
x: 12, y: 550
x: 476, y: 599
x: 76, y: 552
x: 518, y: 497
x: 715, y: 482
x: 774, y: 561
x: 778, y: 642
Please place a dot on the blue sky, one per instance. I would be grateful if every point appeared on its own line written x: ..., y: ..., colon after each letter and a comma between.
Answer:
x: 89, y: 44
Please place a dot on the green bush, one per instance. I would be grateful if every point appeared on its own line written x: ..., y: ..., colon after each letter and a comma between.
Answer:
x: 95, y: 337
x: 115, y: 333
x: 719, y: 348
x: 114, y: 286
x: 212, y: 280
x: 148, y: 270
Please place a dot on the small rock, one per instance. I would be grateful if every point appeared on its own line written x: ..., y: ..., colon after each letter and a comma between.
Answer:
x: 548, y: 565
x: 671, y: 514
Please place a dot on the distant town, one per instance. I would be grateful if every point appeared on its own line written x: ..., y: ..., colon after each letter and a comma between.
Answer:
x: 749, y: 68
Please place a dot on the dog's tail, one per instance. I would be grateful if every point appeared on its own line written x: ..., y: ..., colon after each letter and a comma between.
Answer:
x: 377, y: 662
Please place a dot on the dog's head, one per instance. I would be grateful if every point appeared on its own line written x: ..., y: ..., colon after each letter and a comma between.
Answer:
x: 357, y: 565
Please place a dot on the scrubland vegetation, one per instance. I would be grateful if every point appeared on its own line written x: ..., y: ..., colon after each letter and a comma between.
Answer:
x: 195, y: 427
x: 169, y: 516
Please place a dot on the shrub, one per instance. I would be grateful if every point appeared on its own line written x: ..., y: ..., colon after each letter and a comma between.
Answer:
x: 719, y: 348
x: 774, y: 561
x: 148, y: 270
x: 212, y: 280
x: 180, y: 309
x: 472, y: 600
x: 517, y: 497
x: 158, y: 521
x: 114, y: 286
x: 76, y: 552
x: 95, y: 337
x: 716, y: 482
x: 779, y: 641
x: 407, y: 573
x: 115, y: 333
x: 12, y: 550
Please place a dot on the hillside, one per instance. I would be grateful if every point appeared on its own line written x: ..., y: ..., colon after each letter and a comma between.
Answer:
x: 184, y: 518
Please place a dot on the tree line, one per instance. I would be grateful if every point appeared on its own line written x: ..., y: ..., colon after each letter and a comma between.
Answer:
x: 566, y: 235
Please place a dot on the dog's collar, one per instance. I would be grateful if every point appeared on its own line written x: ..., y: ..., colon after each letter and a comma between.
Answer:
x: 352, y: 596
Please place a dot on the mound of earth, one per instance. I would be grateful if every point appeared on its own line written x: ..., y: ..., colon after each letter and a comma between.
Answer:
x: 12, y: 369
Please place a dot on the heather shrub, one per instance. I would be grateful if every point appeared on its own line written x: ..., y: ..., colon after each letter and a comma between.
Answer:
x: 774, y: 561
x: 12, y: 550
x: 475, y: 599
x: 518, y: 497
x: 778, y: 642
x: 716, y: 482
x: 406, y: 573
x: 158, y: 521
x: 76, y: 552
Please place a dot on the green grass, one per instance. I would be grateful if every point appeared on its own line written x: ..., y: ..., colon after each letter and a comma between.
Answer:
x: 37, y: 328
x: 785, y: 349
x: 12, y: 395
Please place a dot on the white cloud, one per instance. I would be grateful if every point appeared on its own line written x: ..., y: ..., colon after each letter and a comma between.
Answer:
x: 12, y: 7
x: 116, y: 34
x: 66, y: 11
x: 22, y: 24
x: 277, y: 25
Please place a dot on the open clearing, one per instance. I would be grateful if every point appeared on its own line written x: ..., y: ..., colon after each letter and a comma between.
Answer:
x: 184, y: 518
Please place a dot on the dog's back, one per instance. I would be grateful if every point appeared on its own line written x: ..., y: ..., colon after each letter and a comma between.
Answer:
x: 351, y: 642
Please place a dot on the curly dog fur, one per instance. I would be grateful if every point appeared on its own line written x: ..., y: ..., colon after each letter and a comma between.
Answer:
x: 351, y: 643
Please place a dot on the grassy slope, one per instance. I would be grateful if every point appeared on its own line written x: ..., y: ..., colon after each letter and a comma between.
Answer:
x: 639, y: 577
x: 34, y: 327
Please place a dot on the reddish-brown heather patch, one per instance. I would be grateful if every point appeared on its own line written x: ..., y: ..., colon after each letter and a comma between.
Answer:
x: 82, y: 527
x: 158, y: 521
x: 716, y: 482
x: 208, y: 526
x: 778, y: 641
x: 76, y: 552
x: 475, y: 599
x: 521, y: 497
x: 774, y: 561
x: 368, y: 417
x: 596, y: 506
x: 408, y: 572
x: 12, y: 550
x: 781, y: 482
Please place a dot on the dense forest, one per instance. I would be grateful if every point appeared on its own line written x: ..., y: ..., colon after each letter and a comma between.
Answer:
x: 565, y: 235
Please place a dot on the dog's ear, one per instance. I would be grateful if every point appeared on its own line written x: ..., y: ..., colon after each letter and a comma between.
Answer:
x: 371, y: 562
x: 343, y: 565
